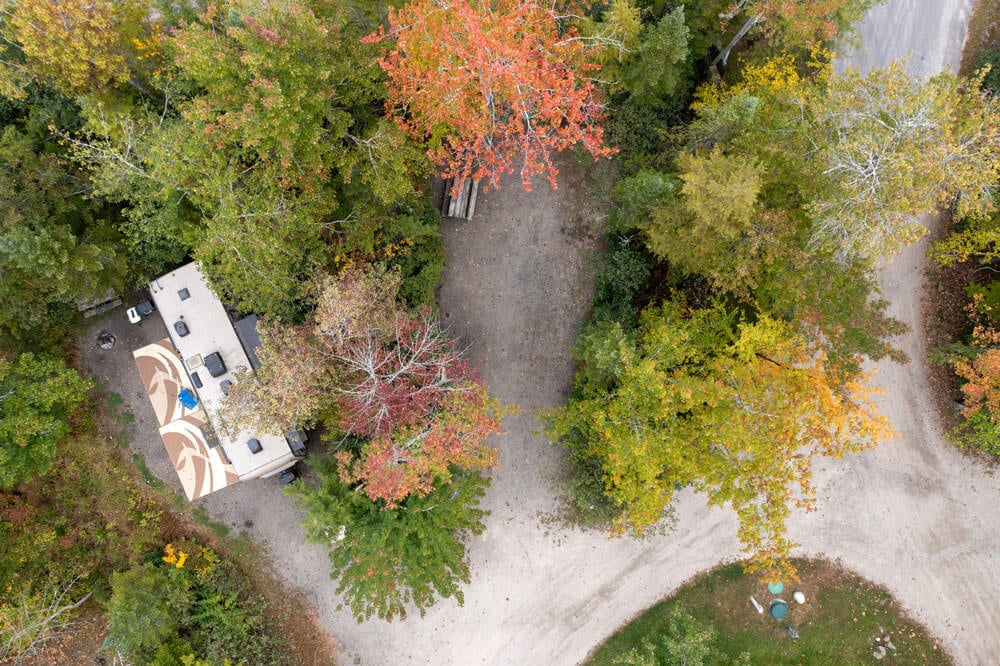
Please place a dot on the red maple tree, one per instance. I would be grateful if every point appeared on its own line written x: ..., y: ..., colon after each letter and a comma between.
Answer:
x: 407, y: 460
x: 489, y: 83
x: 395, y: 380
x: 421, y: 406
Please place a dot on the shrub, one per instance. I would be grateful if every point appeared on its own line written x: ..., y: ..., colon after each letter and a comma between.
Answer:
x: 583, y: 501
x: 413, y: 244
x: 991, y: 81
x: 189, y: 602
x: 621, y: 276
x: 978, y: 431
x: 145, y: 610
x: 227, y: 619
x: 638, y: 131
x: 636, y: 195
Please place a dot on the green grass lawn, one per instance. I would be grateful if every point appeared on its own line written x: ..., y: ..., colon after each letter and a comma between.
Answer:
x: 837, y: 624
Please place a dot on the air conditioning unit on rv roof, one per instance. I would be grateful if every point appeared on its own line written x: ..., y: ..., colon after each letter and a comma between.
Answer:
x: 214, y: 365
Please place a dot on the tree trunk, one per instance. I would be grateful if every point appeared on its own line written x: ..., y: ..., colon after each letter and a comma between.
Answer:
x: 724, y: 54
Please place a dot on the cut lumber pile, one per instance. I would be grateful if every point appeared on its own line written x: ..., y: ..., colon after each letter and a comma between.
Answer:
x: 463, y: 205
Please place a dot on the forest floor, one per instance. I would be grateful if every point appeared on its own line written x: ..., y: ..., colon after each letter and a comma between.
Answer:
x: 913, y: 515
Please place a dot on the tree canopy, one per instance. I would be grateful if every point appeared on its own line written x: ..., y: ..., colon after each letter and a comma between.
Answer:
x: 37, y: 396
x: 389, y: 559
x: 390, y: 382
x: 869, y: 154
x: 256, y: 146
x: 490, y: 85
x: 738, y: 409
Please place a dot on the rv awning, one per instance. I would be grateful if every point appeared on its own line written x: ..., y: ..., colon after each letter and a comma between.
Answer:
x: 201, y: 468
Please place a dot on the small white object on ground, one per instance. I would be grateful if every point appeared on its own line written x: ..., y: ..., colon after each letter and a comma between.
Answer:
x: 799, y: 597
x: 756, y: 604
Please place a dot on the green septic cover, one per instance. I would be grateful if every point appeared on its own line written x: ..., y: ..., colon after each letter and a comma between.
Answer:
x: 775, y: 588
x: 779, y: 609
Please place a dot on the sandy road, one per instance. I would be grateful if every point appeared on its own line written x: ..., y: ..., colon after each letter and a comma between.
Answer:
x: 915, y: 515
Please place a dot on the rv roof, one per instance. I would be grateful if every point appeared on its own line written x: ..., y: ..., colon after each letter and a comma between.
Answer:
x: 211, y: 332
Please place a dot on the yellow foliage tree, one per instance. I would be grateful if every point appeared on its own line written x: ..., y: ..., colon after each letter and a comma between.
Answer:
x: 75, y: 43
x: 739, y: 412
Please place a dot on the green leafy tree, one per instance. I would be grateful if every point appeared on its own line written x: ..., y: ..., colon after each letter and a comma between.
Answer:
x: 636, y: 195
x: 660, y: 66
x: 388, y: 560
x: 54, y: 250
x: 273, y: 86
x: 37, y: 396
x: 716, y: 206
x: 837, y: 306
x: 145, y: 610
x: 265, y: 145
x: 974, y: 238
x: 255, y: 145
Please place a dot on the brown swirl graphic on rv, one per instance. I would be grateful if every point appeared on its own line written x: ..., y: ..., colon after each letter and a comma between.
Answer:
x: 200, y: 468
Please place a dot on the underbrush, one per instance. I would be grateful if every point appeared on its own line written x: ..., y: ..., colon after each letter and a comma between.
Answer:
x: 91, y: 522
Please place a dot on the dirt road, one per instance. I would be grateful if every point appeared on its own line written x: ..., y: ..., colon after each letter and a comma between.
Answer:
x: 516, y: 288
x: 915, y: 515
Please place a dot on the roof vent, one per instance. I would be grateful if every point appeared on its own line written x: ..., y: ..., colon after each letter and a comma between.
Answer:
x: 224, y: 385
x: 181, y: 328
x: 196, y: 380
x: 254, y: 445
x: 184, y: 294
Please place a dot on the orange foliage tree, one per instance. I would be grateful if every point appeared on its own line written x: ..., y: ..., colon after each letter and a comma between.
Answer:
x: 489, y: 83
x: 982, y: 387
x: 981, y: 370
